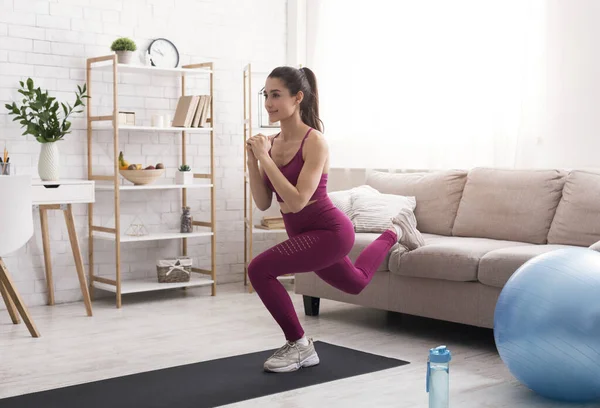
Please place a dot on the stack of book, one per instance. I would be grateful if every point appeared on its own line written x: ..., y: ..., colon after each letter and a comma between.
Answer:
x: 192, y: 111
x: 271, y: 223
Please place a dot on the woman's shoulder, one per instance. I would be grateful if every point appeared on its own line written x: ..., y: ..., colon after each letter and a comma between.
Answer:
x: 315, y: 141
x: 315, y: 136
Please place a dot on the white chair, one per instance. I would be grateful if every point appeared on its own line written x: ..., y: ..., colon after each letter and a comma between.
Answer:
x: 16, y: 221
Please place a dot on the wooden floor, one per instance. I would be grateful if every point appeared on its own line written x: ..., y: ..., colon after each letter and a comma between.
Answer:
x: 164, y: 329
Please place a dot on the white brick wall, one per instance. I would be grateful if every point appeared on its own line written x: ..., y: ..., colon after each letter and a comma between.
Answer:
x: 49, y: 42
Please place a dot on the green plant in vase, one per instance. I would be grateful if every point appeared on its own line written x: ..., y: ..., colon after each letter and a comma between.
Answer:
x: 184, y: 175
x: 124, y: 47
x: 39, y: 114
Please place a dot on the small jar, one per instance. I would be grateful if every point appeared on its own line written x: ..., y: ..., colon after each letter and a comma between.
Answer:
x: 186, y: 221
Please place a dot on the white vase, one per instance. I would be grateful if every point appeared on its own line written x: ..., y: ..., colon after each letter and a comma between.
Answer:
x: 184, y: 177
x: 124, y: 57
x: 49, y: 161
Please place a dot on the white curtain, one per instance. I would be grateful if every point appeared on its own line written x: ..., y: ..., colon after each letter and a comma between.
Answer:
x: 427, y: 83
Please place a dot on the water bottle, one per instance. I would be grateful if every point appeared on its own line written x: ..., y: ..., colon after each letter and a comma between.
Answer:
x: 438, y: 377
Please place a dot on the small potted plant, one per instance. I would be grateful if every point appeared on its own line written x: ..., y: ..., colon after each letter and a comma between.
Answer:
x: 39, y: 114
x: 184, y: 175
x: 124, y: 47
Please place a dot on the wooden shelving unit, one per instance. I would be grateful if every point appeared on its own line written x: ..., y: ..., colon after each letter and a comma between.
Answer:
x: 249, y: 228
x: 118, y: 286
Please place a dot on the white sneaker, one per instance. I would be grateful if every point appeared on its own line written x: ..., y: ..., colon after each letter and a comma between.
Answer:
x: 411, y: 238
x: 291, y: 357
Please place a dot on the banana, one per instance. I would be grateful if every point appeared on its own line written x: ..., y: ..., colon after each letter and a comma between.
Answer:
x: 123, y: 164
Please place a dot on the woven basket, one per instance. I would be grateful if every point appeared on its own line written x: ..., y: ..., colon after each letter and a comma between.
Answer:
x: 141, y: 177
x: 174, y: 270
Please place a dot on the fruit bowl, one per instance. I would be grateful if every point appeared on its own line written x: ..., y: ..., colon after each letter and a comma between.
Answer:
x: 142, y: 177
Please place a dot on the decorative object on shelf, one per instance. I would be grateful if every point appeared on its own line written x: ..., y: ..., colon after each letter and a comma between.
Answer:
x: 184, y: 175
x: 38, y: 114
x: 138, y: 175
x: 136, y: 228
x: 4, y: 164
x: 158, y: 120
x: 192, y: 111
x: 127, y: 118
x: 124, y: 47
x: 142, y: 177
x: 187, y: 222
x: 174, y: 270
x: 163, y: 53
x: 263, y: 115
x: 271, y: 223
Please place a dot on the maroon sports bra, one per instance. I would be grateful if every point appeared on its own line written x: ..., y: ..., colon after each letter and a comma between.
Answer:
x: 292, y: 169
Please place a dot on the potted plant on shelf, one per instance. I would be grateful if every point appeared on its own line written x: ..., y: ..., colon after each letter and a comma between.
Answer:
x: 184, y: 175
x: 124, y: 47
x: 39, y: 114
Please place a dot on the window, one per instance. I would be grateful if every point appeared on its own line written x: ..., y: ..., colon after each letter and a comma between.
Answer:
x: 429, y: 83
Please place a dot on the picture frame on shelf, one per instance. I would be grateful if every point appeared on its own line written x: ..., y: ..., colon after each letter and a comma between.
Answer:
x: 126, y: 118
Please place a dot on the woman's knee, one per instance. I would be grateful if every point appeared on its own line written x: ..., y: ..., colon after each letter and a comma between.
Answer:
x: 257, y: 269
x: 355, y: 288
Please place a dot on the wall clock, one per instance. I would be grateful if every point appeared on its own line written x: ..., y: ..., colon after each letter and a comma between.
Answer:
x: 163, y: 53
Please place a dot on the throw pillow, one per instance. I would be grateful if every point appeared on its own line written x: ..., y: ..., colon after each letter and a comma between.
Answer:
x: 373, y: 212
x: 343, y: 199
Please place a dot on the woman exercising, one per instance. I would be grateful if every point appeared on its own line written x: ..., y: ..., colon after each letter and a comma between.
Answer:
x: 294, y: 165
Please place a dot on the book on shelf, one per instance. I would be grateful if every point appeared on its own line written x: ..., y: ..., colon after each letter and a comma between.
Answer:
x: 192, y: 111
x: 271, y: 223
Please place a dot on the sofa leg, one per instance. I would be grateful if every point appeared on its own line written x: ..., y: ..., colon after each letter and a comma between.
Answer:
x: 311, y: 305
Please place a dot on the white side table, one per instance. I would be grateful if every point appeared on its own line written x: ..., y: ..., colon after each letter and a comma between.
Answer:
x: 60, y: 195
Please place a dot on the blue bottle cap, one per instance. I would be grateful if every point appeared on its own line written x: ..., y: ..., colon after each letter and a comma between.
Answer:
x: 440, y: 355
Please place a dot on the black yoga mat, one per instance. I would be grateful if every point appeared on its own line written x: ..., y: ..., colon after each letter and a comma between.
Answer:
x: 208, y: 383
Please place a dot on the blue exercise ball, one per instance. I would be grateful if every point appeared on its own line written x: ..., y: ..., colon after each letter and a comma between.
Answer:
x: 547, y: 324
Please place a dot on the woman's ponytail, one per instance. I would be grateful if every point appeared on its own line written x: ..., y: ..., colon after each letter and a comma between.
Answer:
x: 309, y: 108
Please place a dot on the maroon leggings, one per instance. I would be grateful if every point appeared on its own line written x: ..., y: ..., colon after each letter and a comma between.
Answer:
x: 320, y: 238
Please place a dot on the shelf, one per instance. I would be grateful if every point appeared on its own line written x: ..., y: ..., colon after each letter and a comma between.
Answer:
x: 132, y: 128
x: 111, y: 187
x: 156, y: 236
x: 148, y: 69
x: 165, y: 129
x: 151, y: 284
x: 107, y: 126
x: 268, y: 231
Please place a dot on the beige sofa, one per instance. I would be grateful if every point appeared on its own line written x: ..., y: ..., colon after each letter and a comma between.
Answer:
x: 479, y: 227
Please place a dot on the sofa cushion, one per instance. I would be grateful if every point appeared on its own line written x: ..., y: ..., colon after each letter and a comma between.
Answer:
x: 496, y: 267
x: 447, y: 258
x: 361, y: 241
x: 513, y: 205
x: 373, y: 212
x: 577, y: 219
x: 437, y: 194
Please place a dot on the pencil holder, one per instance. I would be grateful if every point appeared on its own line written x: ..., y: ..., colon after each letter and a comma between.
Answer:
x: 5, y: 169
